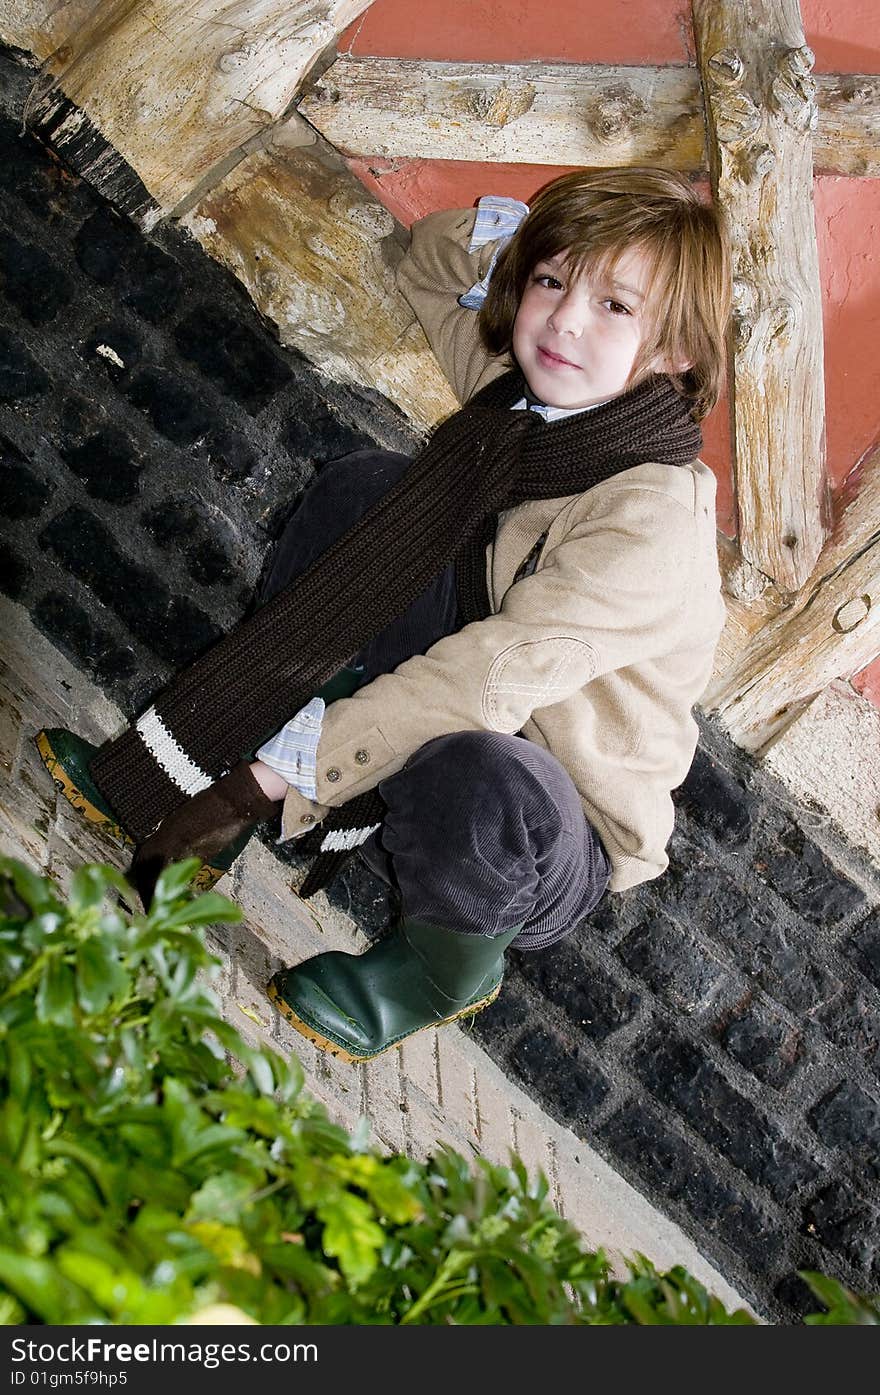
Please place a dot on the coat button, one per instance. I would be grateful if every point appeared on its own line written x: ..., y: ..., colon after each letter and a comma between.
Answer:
x: 333, y: 774
x: 307, y: 818
x: 362, y: 757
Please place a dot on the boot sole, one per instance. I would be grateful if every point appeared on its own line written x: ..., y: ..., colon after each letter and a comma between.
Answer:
x: 206, y: 877
x: 333, y: 1048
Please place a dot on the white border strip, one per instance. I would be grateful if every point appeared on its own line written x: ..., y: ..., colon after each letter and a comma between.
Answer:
x: 341, y: 839
x: 172, y: 757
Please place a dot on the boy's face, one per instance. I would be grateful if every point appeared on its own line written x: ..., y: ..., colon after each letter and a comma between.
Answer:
x: 576, y: 338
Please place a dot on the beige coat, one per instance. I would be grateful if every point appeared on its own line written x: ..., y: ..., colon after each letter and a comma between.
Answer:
x: 598, y: 656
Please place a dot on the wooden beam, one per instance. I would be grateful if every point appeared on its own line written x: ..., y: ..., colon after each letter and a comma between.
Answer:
x: 558, y: 114
x: 317, y: 254
x: 761, y: 110
x: 831, y: 632
x: 170, y: 90
x: 847, y: 139
x: 537, y: 113
x: 42, y: 27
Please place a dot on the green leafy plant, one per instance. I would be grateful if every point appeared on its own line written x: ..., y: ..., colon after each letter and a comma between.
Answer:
x: 152, y: 1163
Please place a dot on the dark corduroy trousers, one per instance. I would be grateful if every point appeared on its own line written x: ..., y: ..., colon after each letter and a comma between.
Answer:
x: 483, y: 831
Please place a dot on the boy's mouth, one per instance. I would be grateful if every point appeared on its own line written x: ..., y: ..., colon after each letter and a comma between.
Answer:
x: 551, y: 360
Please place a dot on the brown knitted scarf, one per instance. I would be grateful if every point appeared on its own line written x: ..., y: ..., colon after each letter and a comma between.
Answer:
x: 483, y: 459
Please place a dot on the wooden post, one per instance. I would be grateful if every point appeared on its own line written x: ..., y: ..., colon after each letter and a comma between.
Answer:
x: 761, y: 110
x: 168, y: 90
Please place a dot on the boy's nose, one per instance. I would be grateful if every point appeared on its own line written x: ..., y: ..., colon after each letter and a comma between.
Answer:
x: 568, y: 317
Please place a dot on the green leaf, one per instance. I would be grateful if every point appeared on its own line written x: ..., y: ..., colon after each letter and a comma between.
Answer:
x: 385, y: 1188
x: 43, y: 929
x: 100, y: 976
x: 351, y: 1235
x: 43, y: 1290
x: 207, y: 909
x: 38, y: 893
x: 54, y: 1000
x: 221, y: 1198
x: 844, y: 1307
x: 91, y: 883
x: 173, y: 881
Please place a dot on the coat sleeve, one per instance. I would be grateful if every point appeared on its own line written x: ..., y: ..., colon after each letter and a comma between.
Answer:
x: 613, y: 593
x: 435, y: 271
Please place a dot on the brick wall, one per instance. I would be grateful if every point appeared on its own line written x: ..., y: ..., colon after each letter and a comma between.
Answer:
x: 715, y: 1034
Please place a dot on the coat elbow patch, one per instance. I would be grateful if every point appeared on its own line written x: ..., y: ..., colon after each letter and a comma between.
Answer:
x: 536, y: 673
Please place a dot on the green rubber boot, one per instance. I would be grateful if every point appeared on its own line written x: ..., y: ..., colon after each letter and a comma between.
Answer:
x: 357, y: 1006
x: 67, y: 758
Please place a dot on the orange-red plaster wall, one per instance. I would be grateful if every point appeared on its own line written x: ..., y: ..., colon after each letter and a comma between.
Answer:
x: 845, y: 37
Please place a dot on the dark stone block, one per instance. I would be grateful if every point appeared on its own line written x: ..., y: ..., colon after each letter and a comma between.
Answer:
x: 849, y: 1119
x: 798, y: 982
x: 20, y: 374
x: 665, y: 1163
x: 314, y: 434
x: 171, y: 626
x: 153, y: 283
x: 796, y: 1297
x: 15, y: 573
x: 800, y: 872
x: 22, y: 493
x: 570, y: 1087
x: 174, y: 409
x: 849, y: 1224
x: 716, y: 801
x: 27, y: 175
x: 115, y: 348
x: 864, y: 948
x: 696, y: 889
x: 103, y: 245
x: 244, y: 364
x: 672, y: 963
x: 108, y: 465
x: 766, y: 1046
x: 592, y: 999
x: 80, y: 417
x: 752, y: 930
x: 678, y: 1075
x: 505, y: 1016
x: 76, y: 635
x: 207, y: 544
x: 359, y: 893
x: 852, y: 1021
x: 232, y: 458
x: 32, y: 281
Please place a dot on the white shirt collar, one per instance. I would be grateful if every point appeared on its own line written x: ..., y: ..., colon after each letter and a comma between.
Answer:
x: 553, y: 413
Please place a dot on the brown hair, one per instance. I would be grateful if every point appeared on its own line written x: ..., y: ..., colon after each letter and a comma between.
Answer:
x: 597, y: 216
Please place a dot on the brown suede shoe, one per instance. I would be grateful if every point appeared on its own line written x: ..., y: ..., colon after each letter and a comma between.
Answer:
x: 203, y: 826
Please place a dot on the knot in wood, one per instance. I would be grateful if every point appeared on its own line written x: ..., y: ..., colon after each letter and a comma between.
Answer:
x: 727, y: 67
x: 511, y: 100
x: 615, y: 113
x: 233, y: 59
x: 736, y: 117
x: 851, y: 614
x: 762, y: 161
x: 793, y: 91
